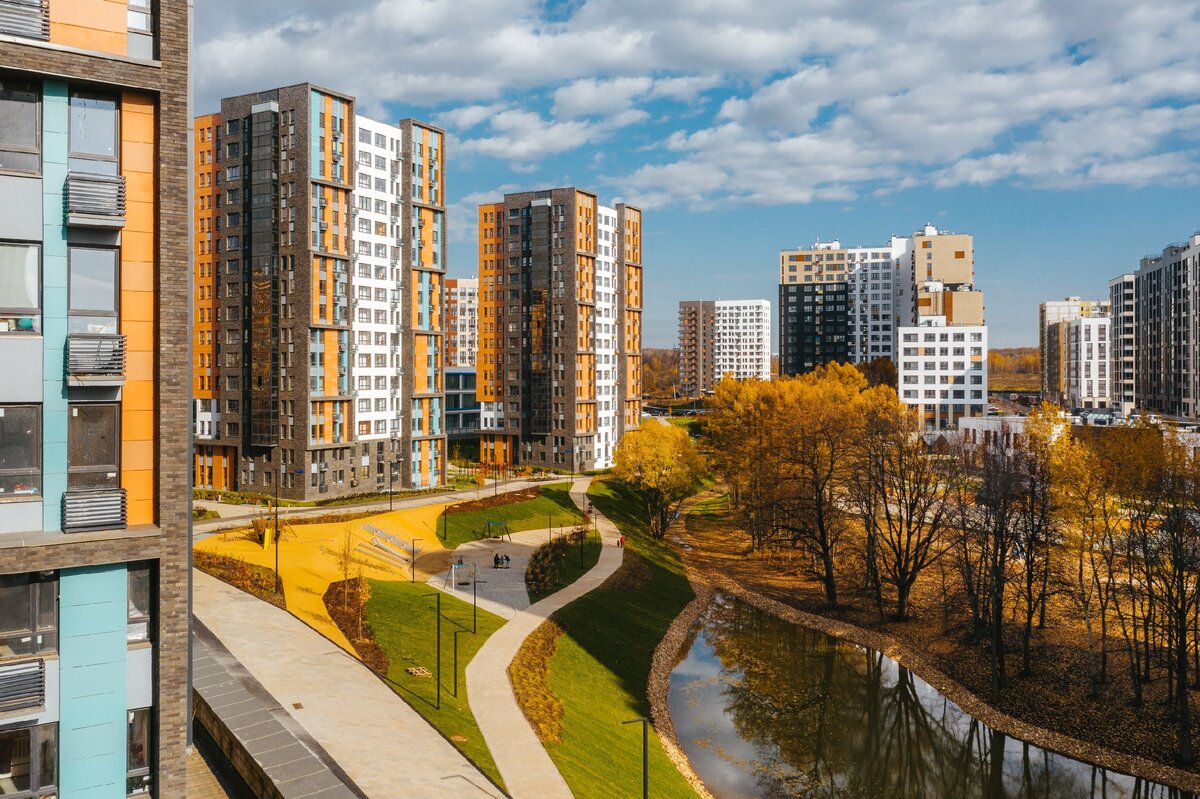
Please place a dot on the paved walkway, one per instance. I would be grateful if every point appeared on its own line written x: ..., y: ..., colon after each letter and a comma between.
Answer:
x: 381, y: 743
x: 528, y: 771
x: 237, y: 515
x: 499, y: 591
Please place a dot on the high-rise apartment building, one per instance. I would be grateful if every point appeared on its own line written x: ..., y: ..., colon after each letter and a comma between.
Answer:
x: 1167, y: 348
x: 943, y: 371
x: 462, y: 337
x: 1088, y: 362
x: 320, y: 259
x: 462, y: 322
x: 94, y: 527
x: 1124, y: 326
x: 723, y: 338
x: 846, y: 303
x: 560, y: 328
x: 1053, y: 340
x: 697, y: 340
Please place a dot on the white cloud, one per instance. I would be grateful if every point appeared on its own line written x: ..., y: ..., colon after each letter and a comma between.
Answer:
x: 817, y: 99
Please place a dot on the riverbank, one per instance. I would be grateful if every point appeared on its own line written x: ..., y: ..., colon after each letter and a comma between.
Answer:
x: 716, y: 555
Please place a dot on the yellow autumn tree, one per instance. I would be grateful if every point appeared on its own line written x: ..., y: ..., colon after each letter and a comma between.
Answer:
x: 660, y: 463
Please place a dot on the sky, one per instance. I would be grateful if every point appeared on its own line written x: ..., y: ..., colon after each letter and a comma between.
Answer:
x: 1063, y: 134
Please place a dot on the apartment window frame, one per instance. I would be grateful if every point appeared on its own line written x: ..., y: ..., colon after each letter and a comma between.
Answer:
x: 83, y: 313
x: 12, y: 314
x: 140, y: 767
x: 20, y: 149
x: 142, y: 601
x: 32, y: 490
x: 39, y: 628
x: 83, y: 160
x: 41, y: 748
x: 111, y: 471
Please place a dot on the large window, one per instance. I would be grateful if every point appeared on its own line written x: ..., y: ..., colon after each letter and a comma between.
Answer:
x: 93, y: 290
x: 28, y: 614
x: 20, y: 287
x: 20, y: 452
x: 140, y: 603
x: 93, y: 445
x: 138, y: 779
x: 29, y: 761
x: 93, y: 134
x: 20, y: 149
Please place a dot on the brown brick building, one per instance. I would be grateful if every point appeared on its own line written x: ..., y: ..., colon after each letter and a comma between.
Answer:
x: 94, y: 481
x: 560, y: 328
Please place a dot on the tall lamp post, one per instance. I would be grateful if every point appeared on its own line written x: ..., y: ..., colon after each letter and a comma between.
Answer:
x: 645, y: 753
x: 278, y: 480
x: 438, y: 595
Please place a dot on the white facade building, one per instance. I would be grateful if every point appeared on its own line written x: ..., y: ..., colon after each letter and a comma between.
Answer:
x: 608, y: 405
x: 742, y: 339
x: 1089, y: 366
x: 943, y: 371
x: 1124, y: 325
x: 376, y: 308
x: 462, y: 321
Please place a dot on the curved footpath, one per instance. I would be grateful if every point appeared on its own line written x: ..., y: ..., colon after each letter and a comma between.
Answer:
x: 384, y: 746
x: 527, y: 769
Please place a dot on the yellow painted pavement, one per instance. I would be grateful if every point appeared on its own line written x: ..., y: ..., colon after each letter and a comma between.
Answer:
x: 308, y: 557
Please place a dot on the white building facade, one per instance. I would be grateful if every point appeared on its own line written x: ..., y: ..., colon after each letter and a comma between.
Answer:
x: 376, y: 308
x: 462, y: 322
x: 608, y: 404
x: 1089, y: 366
x: 742, y: 339
x: 942, y: 371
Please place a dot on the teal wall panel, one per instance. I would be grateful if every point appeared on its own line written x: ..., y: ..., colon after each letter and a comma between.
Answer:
x: 93, y: 615
x: 55, y: 118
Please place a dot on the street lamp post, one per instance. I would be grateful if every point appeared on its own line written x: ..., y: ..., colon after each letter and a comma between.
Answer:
x: 438, y: 595
x: 413, y: 562
x: 475, y: 603
x: 278, y: 480
x: 645, y: 753
x: 456, y: 634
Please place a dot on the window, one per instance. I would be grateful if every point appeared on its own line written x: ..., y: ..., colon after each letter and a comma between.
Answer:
x: 93, y: 134
x: 20, y: 287
x: 29, y: 760
x: 93, y: 290
x: 19, y: 125
x: 28, y: 613
x: 138, y: 780
x: 20, y: 452
x: 93, y: 444
x: 140, y: 608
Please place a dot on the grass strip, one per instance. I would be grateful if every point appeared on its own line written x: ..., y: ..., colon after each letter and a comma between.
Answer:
x: 403, y: 620
x: 552, y: 508
x: 601, y: 663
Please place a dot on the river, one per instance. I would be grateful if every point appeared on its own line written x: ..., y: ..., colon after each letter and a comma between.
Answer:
x: 766, y: 709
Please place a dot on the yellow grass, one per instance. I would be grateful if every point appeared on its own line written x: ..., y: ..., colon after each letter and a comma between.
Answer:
x: 308, y: 558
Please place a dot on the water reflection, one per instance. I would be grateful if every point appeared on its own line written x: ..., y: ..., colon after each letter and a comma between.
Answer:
x: 766, y: 709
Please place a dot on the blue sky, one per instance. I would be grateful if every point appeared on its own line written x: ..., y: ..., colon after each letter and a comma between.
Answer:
x: 1063, y: 134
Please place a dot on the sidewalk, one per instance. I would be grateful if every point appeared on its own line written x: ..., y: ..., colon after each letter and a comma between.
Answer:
x: 527, y: 769
x: 232, y: 516
x: 381, y: 743
x: 499, y: 591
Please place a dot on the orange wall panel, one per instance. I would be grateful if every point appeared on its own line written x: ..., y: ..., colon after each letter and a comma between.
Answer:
x: 98, y: 25
x: 138, y: 311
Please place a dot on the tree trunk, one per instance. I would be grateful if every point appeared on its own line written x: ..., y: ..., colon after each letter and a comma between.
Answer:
x: 830, y: 582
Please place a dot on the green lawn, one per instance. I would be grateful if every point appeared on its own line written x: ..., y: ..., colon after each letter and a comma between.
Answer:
x: 570, y: 567
x: 403, y: 621
x: 553, y: 507
x: 602, y: 662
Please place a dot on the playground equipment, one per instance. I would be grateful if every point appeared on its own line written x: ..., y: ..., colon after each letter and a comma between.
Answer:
x: 496, y: 530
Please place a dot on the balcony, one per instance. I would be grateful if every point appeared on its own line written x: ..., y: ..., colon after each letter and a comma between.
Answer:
x: 29, y: 19
x: 22, y: 685
x: 97, y: 358
x: 93, y: 509
x: 96, y: 201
